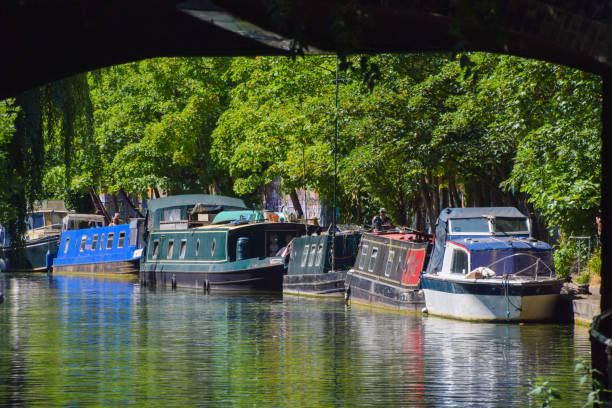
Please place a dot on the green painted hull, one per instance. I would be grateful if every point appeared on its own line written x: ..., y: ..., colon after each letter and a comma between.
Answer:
x: 231, y: 257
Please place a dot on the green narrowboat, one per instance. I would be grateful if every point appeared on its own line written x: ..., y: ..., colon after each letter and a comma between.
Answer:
x: 310, y: 271
x: 186, y: 247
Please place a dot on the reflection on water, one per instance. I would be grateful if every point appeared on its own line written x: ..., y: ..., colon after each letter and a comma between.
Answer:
x: 80, y: 341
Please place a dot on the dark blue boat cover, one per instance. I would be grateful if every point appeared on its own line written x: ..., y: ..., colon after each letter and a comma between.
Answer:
x: 437, y: 256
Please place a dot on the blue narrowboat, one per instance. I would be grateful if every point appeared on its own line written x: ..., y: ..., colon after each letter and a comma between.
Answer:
x: 115, y: 249
x: 214, y: 242
x: 486, y: 266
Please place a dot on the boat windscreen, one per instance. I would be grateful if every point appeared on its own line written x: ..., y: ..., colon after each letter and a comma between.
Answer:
x: 510, y: 225
x: 469, y: 225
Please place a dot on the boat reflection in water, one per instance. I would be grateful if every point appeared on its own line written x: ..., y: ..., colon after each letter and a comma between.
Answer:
x: 86, y: 341
x: 492, y: 364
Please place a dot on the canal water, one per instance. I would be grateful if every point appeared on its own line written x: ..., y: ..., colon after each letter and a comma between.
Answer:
x: 82, y: 341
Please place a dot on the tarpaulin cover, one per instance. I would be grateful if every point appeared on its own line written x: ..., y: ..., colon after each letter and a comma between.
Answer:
x: 437, y: 256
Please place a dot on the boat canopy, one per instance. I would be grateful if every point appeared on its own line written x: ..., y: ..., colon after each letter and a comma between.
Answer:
x: 177, y: 212
x: 228, y: 216
x: 474, y: 221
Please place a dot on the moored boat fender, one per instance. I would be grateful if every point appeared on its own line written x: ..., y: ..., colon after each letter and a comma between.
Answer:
x: 49, y: 261
x: 347, y: 294
x: 173, y: 281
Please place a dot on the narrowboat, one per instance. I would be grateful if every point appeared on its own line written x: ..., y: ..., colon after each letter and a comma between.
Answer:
x: 43, y: 228
x: 87, y: 246
x: 387, y: 270
x: 188, y: 247
x: 486, y: 266
x: 309, y: 269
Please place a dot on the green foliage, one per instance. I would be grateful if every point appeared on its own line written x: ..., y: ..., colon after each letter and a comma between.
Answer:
x: 594, y: 263
x: 558, y: 161
x: 544, y: 391
x: 437, y: 130
x: 591, y: 269
x: 153, y: 121
x: 8, y: 114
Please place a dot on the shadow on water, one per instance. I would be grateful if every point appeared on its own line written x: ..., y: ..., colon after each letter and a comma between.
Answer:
x: 80, y: 341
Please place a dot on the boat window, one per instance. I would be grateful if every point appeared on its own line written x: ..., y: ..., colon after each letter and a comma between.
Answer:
x: 364, y: 255
x: 66, y: 245
x: 400, y: 263
x: 319, y: 255
x: 313, y: 252
x: 121, y: 239
x: 305, y: 255
x: 373, y: 259
x: 109, y: 241
x: 170, y: 248
x: 172, y: 214
x: 83, y: 241
x: 94, y: 242
x: 467, y: 225
x: 213, y: 246
x: 34, y: 221
x: 510, y: 225
x: 55, y: 220
x: 102, y: 242
x: 273, y: 244
x: 459, y: 262
x: 389, y: 263
x: 183, y: 249
x: 155, y: 249
x: 198, y: 247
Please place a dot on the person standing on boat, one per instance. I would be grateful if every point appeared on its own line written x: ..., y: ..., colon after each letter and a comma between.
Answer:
x: 381, y: 222
x: 115, y: 220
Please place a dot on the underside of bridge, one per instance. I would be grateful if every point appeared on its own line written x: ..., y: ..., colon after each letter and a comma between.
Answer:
x: 45, y: 40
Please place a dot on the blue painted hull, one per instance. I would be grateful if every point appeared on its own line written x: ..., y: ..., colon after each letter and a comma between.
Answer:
x: 109, y: 249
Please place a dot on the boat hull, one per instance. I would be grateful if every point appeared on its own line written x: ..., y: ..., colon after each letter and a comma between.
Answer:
x: 371, y: 290
x: 35, y: 255
x: 491, y: 299
x: 116, y: 267
x: 322, y: 284
x: 258, y: 276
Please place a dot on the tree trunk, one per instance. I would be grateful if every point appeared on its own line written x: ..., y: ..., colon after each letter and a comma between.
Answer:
x: 114, y: 199
x: 435, y: 199
x: 358, y: 205
x: 130, y: 203
x: 295, y: 200
x: 454, y: 194
x: 427, y: 202
x: 419, y: 217
x: 443, y: 194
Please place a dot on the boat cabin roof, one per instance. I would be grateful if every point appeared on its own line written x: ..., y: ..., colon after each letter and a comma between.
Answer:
x: 49, y: 205
x: 477, y: 212
x: 85, y: 217
x: 186, y: 200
